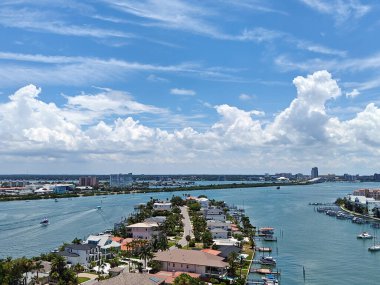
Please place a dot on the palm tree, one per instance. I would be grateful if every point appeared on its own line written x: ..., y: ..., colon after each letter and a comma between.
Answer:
x: 78, y: 268
x: 232, y: 262
x: 146, y: 253
x: 38, y: 266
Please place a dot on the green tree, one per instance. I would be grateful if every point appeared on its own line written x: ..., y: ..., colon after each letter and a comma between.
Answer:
x: 38, y: 267
x: 185, y: 279
x: 146, y: 253
x: 232, y: 262
x: 207, y: 239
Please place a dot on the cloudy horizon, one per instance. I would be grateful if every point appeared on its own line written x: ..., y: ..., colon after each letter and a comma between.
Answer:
x: 184, y: 87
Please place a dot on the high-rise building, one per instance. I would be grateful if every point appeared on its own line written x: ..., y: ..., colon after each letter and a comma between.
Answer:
x: 314, y: 172
x: 88, y: 181
x: 121, y: 180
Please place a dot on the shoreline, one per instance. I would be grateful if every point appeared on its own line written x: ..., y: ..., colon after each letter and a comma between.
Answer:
x: 149, y: 190
x: 359, y: 215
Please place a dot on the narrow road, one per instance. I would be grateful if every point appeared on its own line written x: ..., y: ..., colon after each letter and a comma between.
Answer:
x: 187, y: 227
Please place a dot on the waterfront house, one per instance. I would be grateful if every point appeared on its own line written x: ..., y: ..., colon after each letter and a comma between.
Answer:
x: 157, y: 219
x: 218, y: 233
x: 83, y: 254
x: 212, y: 224
x: 162, y: 206
x: 204, y: 202
x: 132, y: 279
x: 171, y: 276
x: 144, y: 230
x: 214, y: 213
x: 106, y: 244
x: 194, y: 261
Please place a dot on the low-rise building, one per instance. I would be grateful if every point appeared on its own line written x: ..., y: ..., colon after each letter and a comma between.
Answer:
x: 162, y: 206
x: 105, y: 243
x: 215, y: 214
x: 219, y: 233
x: 83, y: 254
x: 132, y: 279
x: 205, y: 264
x: 144, y: 230
x: 212, y: 224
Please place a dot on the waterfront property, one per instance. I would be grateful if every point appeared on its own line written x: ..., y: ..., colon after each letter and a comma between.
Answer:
x: 82, y: 254
x: 105, y: 242
x: 205, y: 264
x: 132, y: 279
x: 144, y: 230
x: 162, y: 206
x: 214, y: 213
x: 218, y: 233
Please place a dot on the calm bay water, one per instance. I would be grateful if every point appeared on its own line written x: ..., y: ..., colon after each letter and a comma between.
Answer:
x: 325, y: 246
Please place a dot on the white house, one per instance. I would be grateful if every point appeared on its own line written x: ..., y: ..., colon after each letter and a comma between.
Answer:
x: 212, y: 224
x: 204, y: 202
x: 162, y: 206
x: 83, y: 254
x: 105, y: 243
x: 194, y: 261
x: 145, y: 230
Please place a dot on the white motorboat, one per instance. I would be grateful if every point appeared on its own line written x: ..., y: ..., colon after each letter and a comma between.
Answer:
x: 365, y: 235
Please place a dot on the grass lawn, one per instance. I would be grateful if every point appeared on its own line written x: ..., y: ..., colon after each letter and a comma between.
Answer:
x: 82, y: 279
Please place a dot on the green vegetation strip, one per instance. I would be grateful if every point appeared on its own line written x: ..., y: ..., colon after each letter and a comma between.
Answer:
x: 151, y: 190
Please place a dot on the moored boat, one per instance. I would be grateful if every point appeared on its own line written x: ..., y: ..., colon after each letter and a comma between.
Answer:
x: 267, y: 260
x: 269, y: 238
x: 264, y: 249
x: 375, y: 247
x: 266, y: 231
x: 364, y: 235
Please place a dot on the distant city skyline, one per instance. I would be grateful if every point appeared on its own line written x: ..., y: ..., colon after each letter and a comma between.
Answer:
x: 201, y: 87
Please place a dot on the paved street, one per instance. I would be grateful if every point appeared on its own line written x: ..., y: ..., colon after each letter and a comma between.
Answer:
x: 187, y: 227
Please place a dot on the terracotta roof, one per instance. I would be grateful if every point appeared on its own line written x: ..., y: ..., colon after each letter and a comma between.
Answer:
x: 211, y: 251
x: 170, y: 276
x: 190, y: 257
x: 117, y: 239
x: 127, y: 278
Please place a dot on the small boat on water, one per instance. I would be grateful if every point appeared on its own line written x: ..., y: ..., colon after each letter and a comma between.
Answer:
x: 267, y: 260
x: 270, y: 279
x: 375, y: 247
x: 278, y: 187
x: 269, y: 238
x: 56, y: 200
x: 98, y: 207
x: 365, y: 235
x: 44, y: 222
x: 264, y: 249
x: 266, y: 231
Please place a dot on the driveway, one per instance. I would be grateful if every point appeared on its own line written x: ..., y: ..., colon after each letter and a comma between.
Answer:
x: 187, y: 226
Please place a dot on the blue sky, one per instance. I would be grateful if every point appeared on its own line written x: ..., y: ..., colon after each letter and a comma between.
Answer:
x: 174, y: 86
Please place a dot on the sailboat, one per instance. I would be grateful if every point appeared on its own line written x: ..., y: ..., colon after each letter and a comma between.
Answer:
x: 375, y: 247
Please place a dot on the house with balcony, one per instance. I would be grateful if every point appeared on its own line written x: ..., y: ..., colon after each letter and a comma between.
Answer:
x: 144, y: 230
x: 83, y: 254
x: 193, y: 261
x: 106, y: 244
x: 214, y: 213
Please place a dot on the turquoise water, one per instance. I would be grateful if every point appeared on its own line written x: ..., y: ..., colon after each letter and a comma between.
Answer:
x: 325, y: 246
